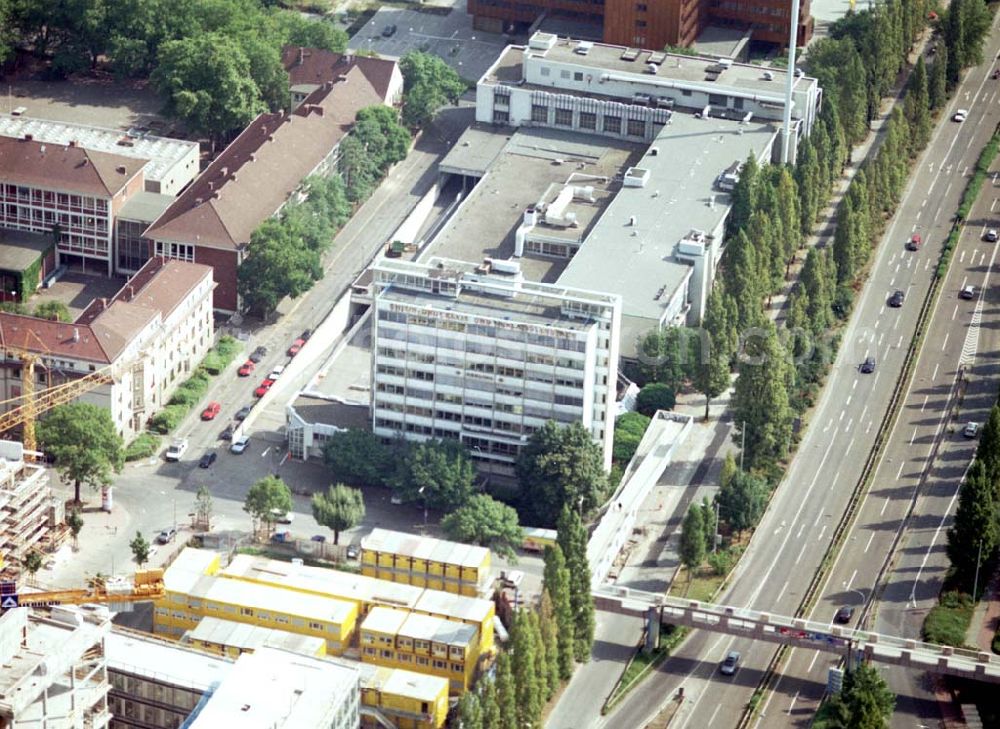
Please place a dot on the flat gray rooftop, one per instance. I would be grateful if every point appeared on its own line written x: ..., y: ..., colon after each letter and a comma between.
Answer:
x: 475, y: 151
x: 532, y: 165
x: 693, y: 69
x: 145, y: 206
x: 19, y: 249
x: 346, y: 373
x: 722, y: 42
x: 635, y: 260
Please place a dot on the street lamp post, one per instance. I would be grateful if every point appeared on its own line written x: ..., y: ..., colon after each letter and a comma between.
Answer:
x: 975, y: 584
x: 715, y: 541
x: 421, y: 492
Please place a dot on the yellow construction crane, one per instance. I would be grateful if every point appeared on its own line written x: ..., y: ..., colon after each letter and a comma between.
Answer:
x: 145, y: 586
x: 31, y: 351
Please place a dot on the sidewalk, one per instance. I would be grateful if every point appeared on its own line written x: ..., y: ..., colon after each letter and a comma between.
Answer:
x: 986, y: 617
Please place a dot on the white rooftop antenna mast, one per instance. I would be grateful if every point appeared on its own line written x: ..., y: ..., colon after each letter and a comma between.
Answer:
x: 789, y: 82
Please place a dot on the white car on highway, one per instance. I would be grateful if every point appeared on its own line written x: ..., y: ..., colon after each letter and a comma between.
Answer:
x: 961, y: 115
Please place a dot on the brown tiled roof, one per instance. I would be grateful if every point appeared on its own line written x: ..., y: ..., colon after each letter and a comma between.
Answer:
x: 51, y: 337
x: 255, y: 175
x: 316, y: 66
x: 120, y: 324
x: 60, y: 167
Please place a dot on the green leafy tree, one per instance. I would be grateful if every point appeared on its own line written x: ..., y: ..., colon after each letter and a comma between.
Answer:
x: 655, y: 396
x: 54, y: 310
x: 556, y: 584
x: 488, y: 701
x: 917, y: 106
x: 573, y: 542
x: 339, y: 509
x: 267, y: 72
x: 741, y: 274
x: 865, y: 702
x: 988, y: 450
x: 428, y: 84
x: 665, y: 357
x: 549, y: 639
x: 360, y: 170
x: 203, y: 507
x: 296, y: 30
x: 708, y: 523
x: 692, y: 545
x: 75, y: 523
x: 629, y: 429
x: 973, y: 535
x: 807, y: 177
x: 357, y: 456
x: 728, y: 471
x: 485, y: 521
x: 438, y: 473
x: 526, y: 679
x: 384, y: 138
x: 266, y: 499
x: 140, y: 549
x: 327, y: 199
x: 206, y: 81
x: 32, y: 563
x: 742, y: 501
x: 278, y: 264
x: 541, y: 659
x: 816, y: 281
x: 560, y: 465
x: 760, y: 399
x: 470, y: 711
x: 744, y: 196
x: 84, y: 443
x: 506, y: 693
x: 938, y: 86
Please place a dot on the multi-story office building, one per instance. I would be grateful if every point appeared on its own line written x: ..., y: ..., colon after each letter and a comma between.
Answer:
x: 54, y: 670
x: 155, y: 683
x: 400, y: 639
x: 651, y: 24
x: 426, y: 562
x: 274, y: 689
x: 478, y: 354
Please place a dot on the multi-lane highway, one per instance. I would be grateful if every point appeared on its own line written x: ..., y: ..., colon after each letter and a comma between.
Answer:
x: 793, y: 537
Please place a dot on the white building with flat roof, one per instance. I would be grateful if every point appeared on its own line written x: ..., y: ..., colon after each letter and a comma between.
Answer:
x: 478, y: 354
x: 276, y: 689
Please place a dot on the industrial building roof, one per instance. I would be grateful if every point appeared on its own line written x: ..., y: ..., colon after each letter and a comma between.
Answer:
x: 438, y: 630
x: 427, y: 548
x: 460, y: 607
x: 165, y: 661
x: 630, y: 250
x: 384, y: 620
x: 400, y: 682
x: 158, y: 154
x: 274, y: 689
x: 248, y: 637
x: 322, y: 581
x: 272, y: 598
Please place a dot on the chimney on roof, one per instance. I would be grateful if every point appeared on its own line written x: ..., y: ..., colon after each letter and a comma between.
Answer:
x: 41, y: 149
x: 72, y: 143
x: 224, y: 171
x: 253, y: 157
x: 28, y: 137
x: 104, y: 304
x: 76, y: 334
x: 198, y: 201
x: 120, y: 169
x: 211, y: 184
x: 302, y: 55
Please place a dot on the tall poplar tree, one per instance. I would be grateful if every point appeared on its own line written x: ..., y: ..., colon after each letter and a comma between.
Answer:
x: 573, y: 540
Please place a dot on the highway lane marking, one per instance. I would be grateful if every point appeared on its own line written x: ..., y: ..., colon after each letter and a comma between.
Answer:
x: 880, y: 337
x: 900, y: 342
x: 714, y: 714
x: 933, y: 377
x: 954, y: 313
x: 948, y: 189
x: 965, y: 171
x: 852, y: 440
x: 841, y: 415
x: 869, y: 541
x: 855, y: 385
x: 896, y: 324
x: 923, y: 203
x: 927, y: 265
x: 887, y: 350
x: 927, y: 396
x: 788, y: 532
x: 881, y: 313
x: 965, y: 281
x: 863, y: 413
x: 813, y: 661
x: 802, y: 528
x: 791, y: 704
x: 961, y: 257
x: 782, y: 591
x: 828, y: 425
x: 900, y: 471
x: 820, y: 537
x: 937, y: 533
x: 848, y: 401
x: 853, y: 575
x: 994, y: 205
x: 883, y: 507
x: 912, y: 438
x: 868, y: 429
x: 944, y: 345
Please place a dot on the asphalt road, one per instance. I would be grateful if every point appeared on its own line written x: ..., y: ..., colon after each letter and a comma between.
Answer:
x: 148, y: 494
x: 794, y: 534
x: 926, y: 453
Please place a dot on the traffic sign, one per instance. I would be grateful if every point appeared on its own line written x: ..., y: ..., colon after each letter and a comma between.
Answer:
x: 8, y: 602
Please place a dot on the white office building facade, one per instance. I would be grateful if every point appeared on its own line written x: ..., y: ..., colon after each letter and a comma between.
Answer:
x: 480, y: 355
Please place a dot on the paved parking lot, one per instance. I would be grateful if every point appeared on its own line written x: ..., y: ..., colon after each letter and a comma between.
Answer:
x: 451, y: 36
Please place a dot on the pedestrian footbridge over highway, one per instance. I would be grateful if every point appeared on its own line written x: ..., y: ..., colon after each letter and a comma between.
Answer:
x: 659, y: 609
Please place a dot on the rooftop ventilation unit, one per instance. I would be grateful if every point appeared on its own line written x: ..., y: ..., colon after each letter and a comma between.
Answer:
x: 636, y: 177
x: 651, y: 68
x: 583, y: 48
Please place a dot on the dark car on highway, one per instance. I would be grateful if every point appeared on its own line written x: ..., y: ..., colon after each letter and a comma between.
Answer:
x: 730, y: 664
x: 844, y: 615
x: 207, y: 460
x: 258, y: 354
x: 243, y: 412
x: 227, y: 434
x: 896, y: 300
x: 868, y: 366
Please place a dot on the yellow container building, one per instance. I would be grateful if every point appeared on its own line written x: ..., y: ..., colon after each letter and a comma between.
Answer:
x: 426, y: 644
x: 229, y: 638
x: 409, y: 700
x: 426, y: 562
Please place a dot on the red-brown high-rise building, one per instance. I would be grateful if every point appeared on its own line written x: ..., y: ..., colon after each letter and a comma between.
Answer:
x: 649, y: 23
